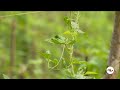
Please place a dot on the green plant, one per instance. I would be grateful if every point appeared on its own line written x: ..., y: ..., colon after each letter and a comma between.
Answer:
x: 70, y: 66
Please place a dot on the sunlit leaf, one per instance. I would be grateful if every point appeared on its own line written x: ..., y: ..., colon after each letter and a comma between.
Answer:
x: 67, y: 33
x: 80, y: 31
x: 75, y: 26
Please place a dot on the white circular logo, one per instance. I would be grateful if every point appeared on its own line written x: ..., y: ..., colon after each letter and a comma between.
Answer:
x: 110, y: 70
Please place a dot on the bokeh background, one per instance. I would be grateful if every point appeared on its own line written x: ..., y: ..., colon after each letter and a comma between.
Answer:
x: 23, y: 38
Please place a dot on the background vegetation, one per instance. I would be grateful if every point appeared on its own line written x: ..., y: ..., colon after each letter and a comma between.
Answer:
x: 26, y: 60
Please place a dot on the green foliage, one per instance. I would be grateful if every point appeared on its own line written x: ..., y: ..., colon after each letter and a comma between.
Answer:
x: 77, y: 44
x: 58, y: 40
x: 71, y: 70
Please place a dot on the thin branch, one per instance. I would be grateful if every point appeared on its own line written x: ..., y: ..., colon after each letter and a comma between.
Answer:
x: 60, y: 57
x: 18, y: 14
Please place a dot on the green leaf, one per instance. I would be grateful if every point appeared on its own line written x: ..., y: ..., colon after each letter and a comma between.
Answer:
x: 5, y: 76
x: 58, y: 39
x: 47, y: 54
x: 67, y: 21
x: 80, y: 31
x: 90, y: 73
x: 67, y: 33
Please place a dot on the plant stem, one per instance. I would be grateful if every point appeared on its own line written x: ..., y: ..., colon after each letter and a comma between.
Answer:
x: 77, y: 17
x: 71, y: 53
x: 62, y: 53
x: 60, y: 57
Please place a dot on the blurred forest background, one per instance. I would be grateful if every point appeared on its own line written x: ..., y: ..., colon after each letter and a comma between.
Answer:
x: 23, y: 38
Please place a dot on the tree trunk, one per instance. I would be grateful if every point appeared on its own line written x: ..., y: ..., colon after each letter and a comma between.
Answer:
x: 114, y: 57
x: 12, y: 47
